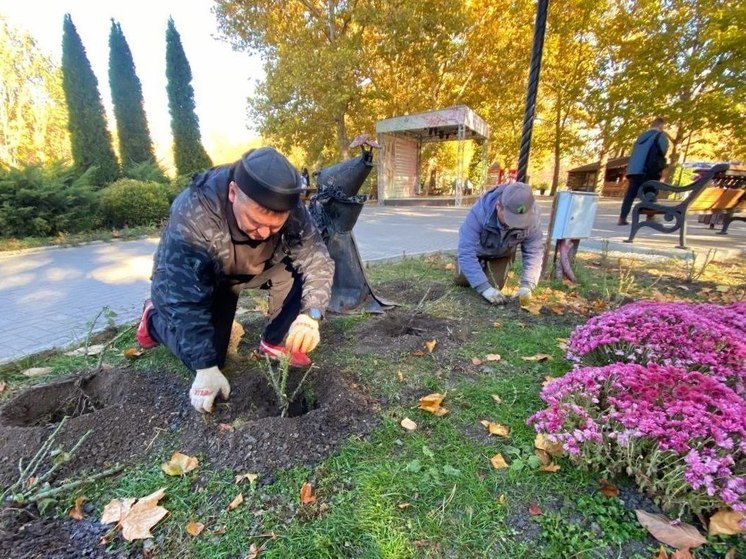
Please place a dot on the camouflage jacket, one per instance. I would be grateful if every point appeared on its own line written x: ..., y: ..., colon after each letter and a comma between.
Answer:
x: 202, y: 249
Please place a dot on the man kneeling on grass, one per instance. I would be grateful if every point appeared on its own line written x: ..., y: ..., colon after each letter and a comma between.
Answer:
x: 239, y: 226
x: 503, y: 218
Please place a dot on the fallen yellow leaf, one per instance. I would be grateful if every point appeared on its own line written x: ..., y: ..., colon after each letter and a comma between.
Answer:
x: 236, y: 502
x: 143, y: 515
x: 681, y: 554
x: 194, y: 529
x: 731, y: 553
x: 562, y: 343
x: 37, y: 371
x: 251, y: 477
x: 76, y: 511
x: 492, y: 357
x: 550, y: 468
x: 543, y: 456
x: 727, y: 523
x: 502, y: 499
x: 547, y: 380
x: 678, y: 535
x: 403, y: 505
x: 534, y: 308
x: 431, y: 403
x: 2, y: 387
x: 116, y: 509
x: 498, y: 461
x: 133, y: 352
x: 497, y: 399
x: 450, y: 266
x: 539, y: 357
x: 553, y: 449
x: 306, y: 494
x: 408, y: 424
x: 476, y: 361
x: 608, y: 489
x: 495, y: 428
x: 662, y: 553
x: 430, y: 345
x: 497, y: 324
x: 253, y: 552
x: 179, y: 464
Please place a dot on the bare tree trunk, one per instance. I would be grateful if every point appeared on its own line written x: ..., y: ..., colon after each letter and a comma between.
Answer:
x: 601, y: 175
x: 557, y: 146
x: 342, y: 141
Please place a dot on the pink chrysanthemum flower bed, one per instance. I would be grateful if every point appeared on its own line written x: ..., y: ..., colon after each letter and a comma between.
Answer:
x: 665, y: 403
x: 706, y: 338
x: 680, y: 433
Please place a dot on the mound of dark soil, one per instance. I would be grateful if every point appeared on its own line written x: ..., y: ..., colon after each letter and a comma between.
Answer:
x: 127, y: 411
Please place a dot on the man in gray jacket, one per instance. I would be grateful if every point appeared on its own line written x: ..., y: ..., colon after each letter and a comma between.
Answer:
x: 235, y: 227
x: 502, y: 219
x: 646, y: 162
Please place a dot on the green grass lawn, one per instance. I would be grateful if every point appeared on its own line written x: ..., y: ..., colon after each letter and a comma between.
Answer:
x: 432, y: 492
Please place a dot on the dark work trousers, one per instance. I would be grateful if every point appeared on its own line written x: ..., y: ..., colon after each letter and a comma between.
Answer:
x: 497, y: 270
x: 285, y: 287
x: 634, y: 182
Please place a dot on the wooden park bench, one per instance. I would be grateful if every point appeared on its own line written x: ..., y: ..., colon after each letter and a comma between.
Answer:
x: 702, y: 198
x: 732, y: 204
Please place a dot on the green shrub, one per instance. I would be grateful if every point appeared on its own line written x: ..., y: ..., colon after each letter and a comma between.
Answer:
x: 129, y: 203
x: 177, y: 185
x: 147, y: 171
x: 46, y: 200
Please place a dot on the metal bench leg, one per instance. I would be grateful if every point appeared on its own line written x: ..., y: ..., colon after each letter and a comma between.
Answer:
x: 726, y: 223
x: 635, y: 226
x: 682, y: 233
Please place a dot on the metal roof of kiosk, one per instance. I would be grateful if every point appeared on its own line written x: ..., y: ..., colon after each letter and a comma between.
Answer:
x: 401, y: 139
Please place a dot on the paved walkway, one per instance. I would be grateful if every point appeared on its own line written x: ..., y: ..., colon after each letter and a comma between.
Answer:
x: 49, y: 297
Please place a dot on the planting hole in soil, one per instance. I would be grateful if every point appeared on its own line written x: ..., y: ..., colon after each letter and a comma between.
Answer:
x: 48, y: 404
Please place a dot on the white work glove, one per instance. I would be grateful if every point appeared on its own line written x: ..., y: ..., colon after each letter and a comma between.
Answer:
x: 303, y: 335
x: 494, y: 296
x: 524, y: 294
x: 206, y: 386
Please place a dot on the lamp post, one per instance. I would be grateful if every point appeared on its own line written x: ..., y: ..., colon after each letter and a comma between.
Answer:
x: 533, y: 85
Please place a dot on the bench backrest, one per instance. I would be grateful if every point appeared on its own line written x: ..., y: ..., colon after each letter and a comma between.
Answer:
x: 699, y: 188
x: 706, y: 199
x: 731, y: 198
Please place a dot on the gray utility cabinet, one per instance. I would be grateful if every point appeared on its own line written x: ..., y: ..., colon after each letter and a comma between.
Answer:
x: 575, y: 214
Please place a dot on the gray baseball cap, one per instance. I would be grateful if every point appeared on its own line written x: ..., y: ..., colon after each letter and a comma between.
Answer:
x: 268, y: 178
x: 518, y: 204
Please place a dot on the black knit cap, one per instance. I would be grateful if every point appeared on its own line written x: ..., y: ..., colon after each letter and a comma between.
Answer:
x: 268, y: 178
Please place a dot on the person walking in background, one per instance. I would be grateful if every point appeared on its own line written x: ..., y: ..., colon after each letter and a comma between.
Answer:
x: 647, y: 161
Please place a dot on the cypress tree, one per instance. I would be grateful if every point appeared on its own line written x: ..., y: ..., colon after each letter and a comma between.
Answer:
x: 189, y: 155
x: 135, y: 145
x: 90, y: 139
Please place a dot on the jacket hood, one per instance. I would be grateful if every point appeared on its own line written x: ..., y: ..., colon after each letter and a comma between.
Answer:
x: 647, y: 136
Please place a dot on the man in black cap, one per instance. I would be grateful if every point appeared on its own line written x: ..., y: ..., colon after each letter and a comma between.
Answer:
x: 238, y: 226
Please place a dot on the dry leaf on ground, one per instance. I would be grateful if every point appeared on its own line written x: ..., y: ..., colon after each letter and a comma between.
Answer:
x: 418, y: 353
x: 494, y: 357
x: 179, y: 464
x: 539, y: 357
x: 37, y: 371
x: 132, y: 352
x: 306, y: 494
x: 726, y: 522
x: 225, y: 428
x: 476, y: 361
x: 76, y: 511
x: 432, y: 402
x: 547, y: 380
x: 251, y: 477
x: 681, y: 554
x: 543, y: 456
x: 550, y: 468
x: 408, y: 424
x: 81, y: 351
x: 662, y: 553
x: 534, y: 308
x: 553, y: 449
x: 404, y: 505
x: 237, y: 500
x: 534, y: 509
x: 608, y: 489
x: 430, y: 345
x: 143, y: 515
x: 253, y: 552
x: 678, y: 535
x: 497, y: 399
x: 116, y: 509
x: 194, y: 529
x: 3, y: 386
x: 495, y: 428
x: 731, y: 553
x: 498, y: 462
x: 562, y: 343
x: 400, y: 376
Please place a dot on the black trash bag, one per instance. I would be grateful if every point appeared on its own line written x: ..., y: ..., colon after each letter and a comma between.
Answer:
x: 336, y: 208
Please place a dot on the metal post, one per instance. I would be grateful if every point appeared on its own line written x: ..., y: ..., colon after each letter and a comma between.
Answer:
x: 458, y: 193
x: 533, y: 85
